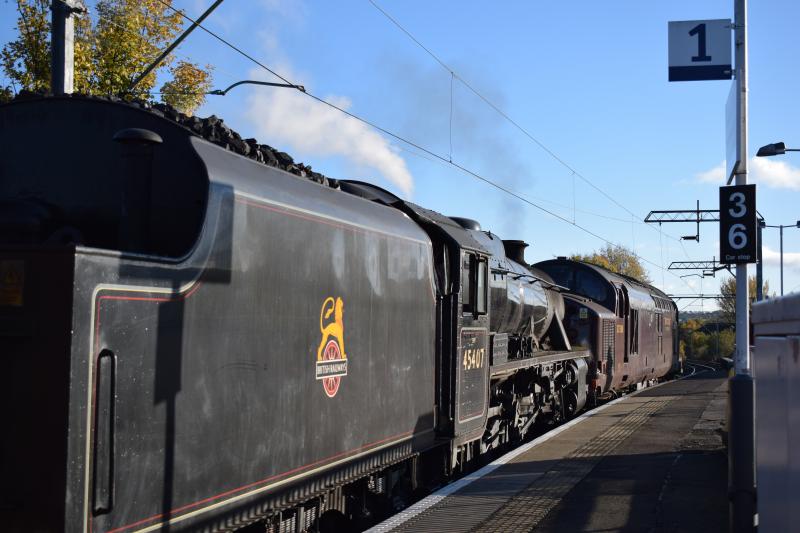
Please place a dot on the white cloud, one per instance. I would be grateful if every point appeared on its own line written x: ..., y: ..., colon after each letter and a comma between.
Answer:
x: 775, y: 173
x: 714, y: 175
x: 791, y: 260
x: 285, y: 117
x: 772, y: 173
x: 286, y: 8
x: 290, y: 120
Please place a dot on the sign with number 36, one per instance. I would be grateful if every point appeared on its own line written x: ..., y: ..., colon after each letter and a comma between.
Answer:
x: 738, y: 229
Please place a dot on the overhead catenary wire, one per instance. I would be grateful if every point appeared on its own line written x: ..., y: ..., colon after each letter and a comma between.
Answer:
x: 690, y: 304
x: 143, y: 39
x: 503, y: 114
x: 408, y: 142
x: 157, y: 61
x: 225, y: 42
x: 572, y: 208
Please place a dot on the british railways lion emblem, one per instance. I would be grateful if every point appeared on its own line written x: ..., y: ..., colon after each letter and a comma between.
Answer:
x: 331, y: 357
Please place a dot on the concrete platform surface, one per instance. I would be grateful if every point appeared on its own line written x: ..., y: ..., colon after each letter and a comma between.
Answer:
x: 654, y: 461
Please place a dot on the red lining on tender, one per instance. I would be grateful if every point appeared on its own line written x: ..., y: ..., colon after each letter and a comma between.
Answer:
x: 186, y: 296
x: 250, y: 485
x: 173, y: 297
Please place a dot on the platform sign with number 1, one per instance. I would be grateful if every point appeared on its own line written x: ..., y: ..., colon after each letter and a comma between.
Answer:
x: 738, y: 224
x: 700, y: 50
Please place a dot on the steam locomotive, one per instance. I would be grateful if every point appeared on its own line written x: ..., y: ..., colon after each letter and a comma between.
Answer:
x: 198, y: 339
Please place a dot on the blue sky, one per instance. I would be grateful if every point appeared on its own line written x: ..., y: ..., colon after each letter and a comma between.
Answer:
x: 588, y: 80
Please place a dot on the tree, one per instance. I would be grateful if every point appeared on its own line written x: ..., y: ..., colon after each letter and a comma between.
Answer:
x: 617, y: 259
x: 186, y: 90
x: 702, y: 339
x: 727, y: 289
x: 725, y: 342
x: 111, y: 50
x: 26, y: 61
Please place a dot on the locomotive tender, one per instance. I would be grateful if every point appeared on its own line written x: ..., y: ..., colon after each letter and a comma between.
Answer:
x: 194, y: 340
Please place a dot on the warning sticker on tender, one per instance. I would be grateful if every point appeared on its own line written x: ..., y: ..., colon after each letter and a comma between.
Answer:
x: 12, y: 281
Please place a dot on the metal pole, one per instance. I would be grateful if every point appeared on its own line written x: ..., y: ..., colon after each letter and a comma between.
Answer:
x: 174, y: 45
x: 781, y: 260
x: 759, y: 265
x: 698, y: 222
x: 742, y: 296
x: 62, y: 38
x: 742, y: 286
x: 741, y: 406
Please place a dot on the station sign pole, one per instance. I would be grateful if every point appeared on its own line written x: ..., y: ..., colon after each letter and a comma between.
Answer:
x: 742, y: 361
x: 741, y: 407
x: 701, y: 50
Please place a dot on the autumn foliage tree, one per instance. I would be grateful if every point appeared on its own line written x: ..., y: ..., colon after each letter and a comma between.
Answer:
x: 113, y: 45
x: 618, y: 259
x: 727, y: 290
x: 701, y: 340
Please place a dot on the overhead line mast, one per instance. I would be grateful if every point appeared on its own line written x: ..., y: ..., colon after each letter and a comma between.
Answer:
x: 62, y: 39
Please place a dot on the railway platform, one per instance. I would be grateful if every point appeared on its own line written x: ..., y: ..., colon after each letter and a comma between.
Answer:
x: 651, y: 461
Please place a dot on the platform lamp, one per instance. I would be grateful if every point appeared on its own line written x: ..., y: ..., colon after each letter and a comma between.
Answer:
x: 774, y: 149
x: 768, y: 150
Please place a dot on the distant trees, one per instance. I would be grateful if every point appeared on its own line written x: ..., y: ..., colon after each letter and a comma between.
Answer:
x: 705, y: 340
x: 727, y: 288
x: 715, y: 336
x: 617, y: 259
x: 112, y: 46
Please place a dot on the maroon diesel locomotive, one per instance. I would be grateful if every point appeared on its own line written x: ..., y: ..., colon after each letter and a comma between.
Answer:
x: 631, y: 327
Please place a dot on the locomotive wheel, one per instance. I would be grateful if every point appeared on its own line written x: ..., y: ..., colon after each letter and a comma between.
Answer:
x: 570, y: 403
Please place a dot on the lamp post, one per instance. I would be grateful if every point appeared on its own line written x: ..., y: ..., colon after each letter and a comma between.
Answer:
x: 795, y: 225
x: 774, y: 149
x: 769, y: 150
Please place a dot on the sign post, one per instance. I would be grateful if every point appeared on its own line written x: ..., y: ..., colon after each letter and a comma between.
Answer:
x: 741, y: 418
x: 742, y: 360
x: 700, y: 50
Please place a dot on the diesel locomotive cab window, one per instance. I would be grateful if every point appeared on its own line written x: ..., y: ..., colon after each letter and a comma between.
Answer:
x: 579, y: 330
x: 562, y: 275
x: 590, y: 285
